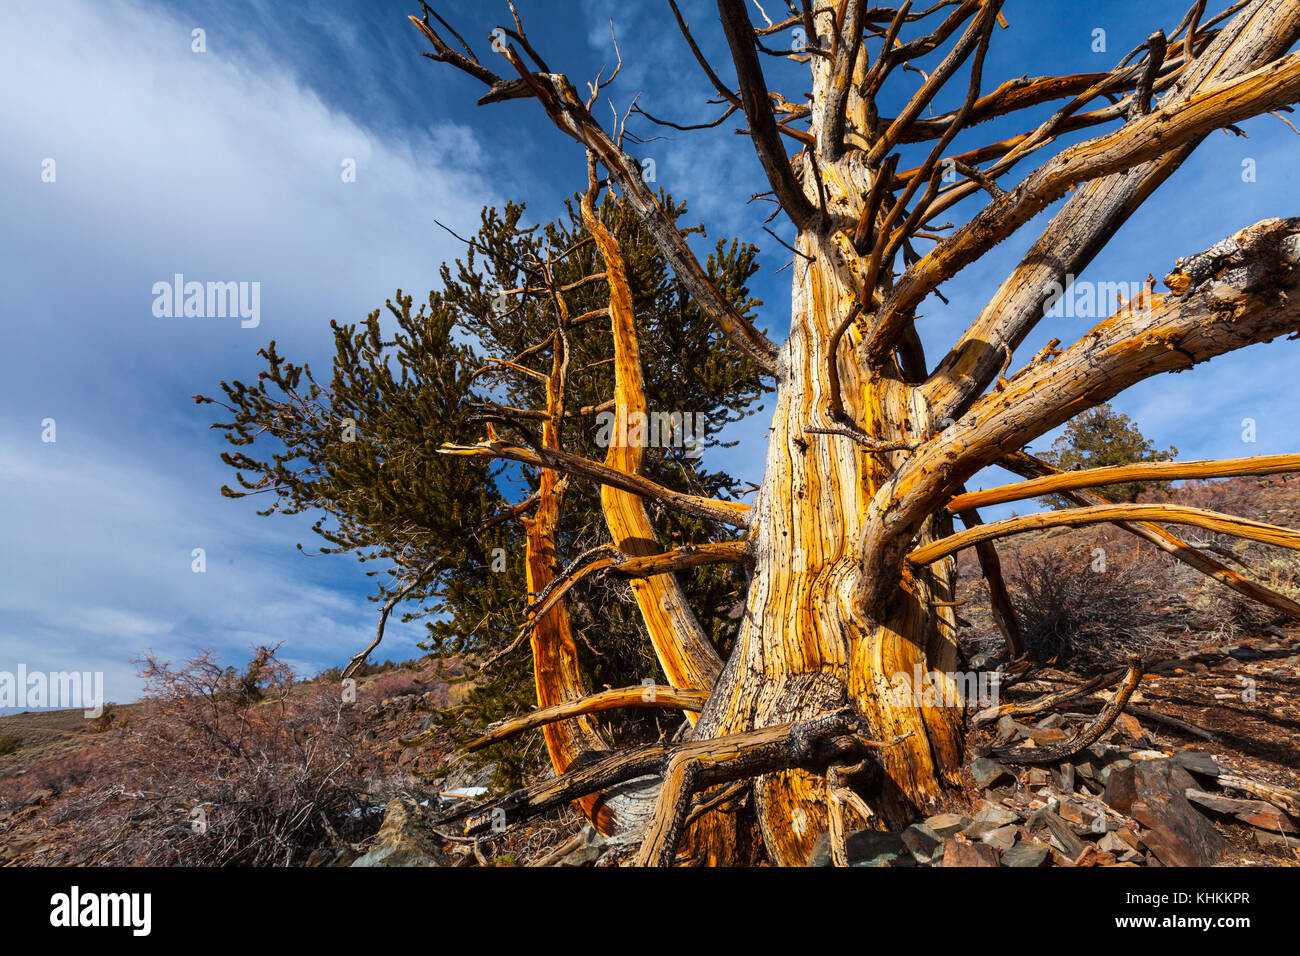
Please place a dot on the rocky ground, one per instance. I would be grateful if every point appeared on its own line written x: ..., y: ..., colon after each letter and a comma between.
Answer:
x: 1203, y: 778
x: 1200, y: 772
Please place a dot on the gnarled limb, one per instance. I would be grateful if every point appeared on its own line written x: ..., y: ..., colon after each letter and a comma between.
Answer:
x: 758, y: 112
x: 1088, y: 735
x: 644, y: 695
x: 360, y: 657
x: 571, y: 115
x: 680, y: 559
x: 684, y: 652
x: 556, y: 674
x: 1118, y: 474
x: 807, y: 742
x: 1047, y: 701
x: 1092, y: 215
x: 1142, y: 140
x: 1242, y: 291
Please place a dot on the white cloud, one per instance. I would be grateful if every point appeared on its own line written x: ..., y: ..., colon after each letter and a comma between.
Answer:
x: 104, y: 572
x: 222, y: 168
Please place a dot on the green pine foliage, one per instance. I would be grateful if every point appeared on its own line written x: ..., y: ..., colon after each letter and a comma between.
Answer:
x: 1101, y: 437
x: 359, y: 451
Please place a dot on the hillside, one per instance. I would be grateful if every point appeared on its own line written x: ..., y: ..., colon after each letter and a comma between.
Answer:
x: 1200, y: 768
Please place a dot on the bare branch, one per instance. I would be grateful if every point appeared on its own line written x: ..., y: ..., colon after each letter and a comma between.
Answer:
x: 758, y: 112
x: 734, y: 513
x: 1088, y: 735
x: 1099, y: 514
x: 571, y: 116
x: 643, y: 695
x: 1027, y: 466
x: 1119, y: 474
x: 1147, y: 138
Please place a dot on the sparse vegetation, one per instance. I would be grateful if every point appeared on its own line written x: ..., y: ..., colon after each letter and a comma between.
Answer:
x: 1078, y: 609
x: 219, y: 767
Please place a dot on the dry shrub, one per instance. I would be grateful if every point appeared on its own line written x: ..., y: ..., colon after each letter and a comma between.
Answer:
x: 223, y: 768
x: 1219, y: 609
x: 1081, y: 607
x: 1243, y: 497
x: 395, y: 683
x: 1230, y: 614
x: 55, y: 776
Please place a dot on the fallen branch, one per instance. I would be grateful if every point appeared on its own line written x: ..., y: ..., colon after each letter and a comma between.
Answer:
x: 1048, y: 701
x: 1288, y: 800
x: 1086, y: 737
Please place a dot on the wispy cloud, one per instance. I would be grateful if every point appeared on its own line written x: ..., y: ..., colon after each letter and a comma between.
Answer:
x: 223, y: 168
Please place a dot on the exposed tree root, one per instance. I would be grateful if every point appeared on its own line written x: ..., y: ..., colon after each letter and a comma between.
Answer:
x: 808, y: 745
x: 1088, y: 735
x: 686, y: 768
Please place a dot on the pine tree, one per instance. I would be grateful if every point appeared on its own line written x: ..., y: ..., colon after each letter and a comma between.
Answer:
x: 1101, y: 437
x: 360, y: 450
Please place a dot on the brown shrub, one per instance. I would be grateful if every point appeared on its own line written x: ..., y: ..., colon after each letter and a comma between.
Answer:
x: 222, y: 768
x: 395, y: 683
x: 1090, y: 604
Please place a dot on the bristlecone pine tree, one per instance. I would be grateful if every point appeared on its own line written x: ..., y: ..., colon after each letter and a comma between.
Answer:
x: 360, y: 449
x: 850, y: 536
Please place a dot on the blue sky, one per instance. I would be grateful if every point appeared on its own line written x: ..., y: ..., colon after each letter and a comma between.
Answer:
x: 225, y: 165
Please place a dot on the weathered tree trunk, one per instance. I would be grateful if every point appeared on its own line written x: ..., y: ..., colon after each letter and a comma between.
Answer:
x: 805, y: 646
